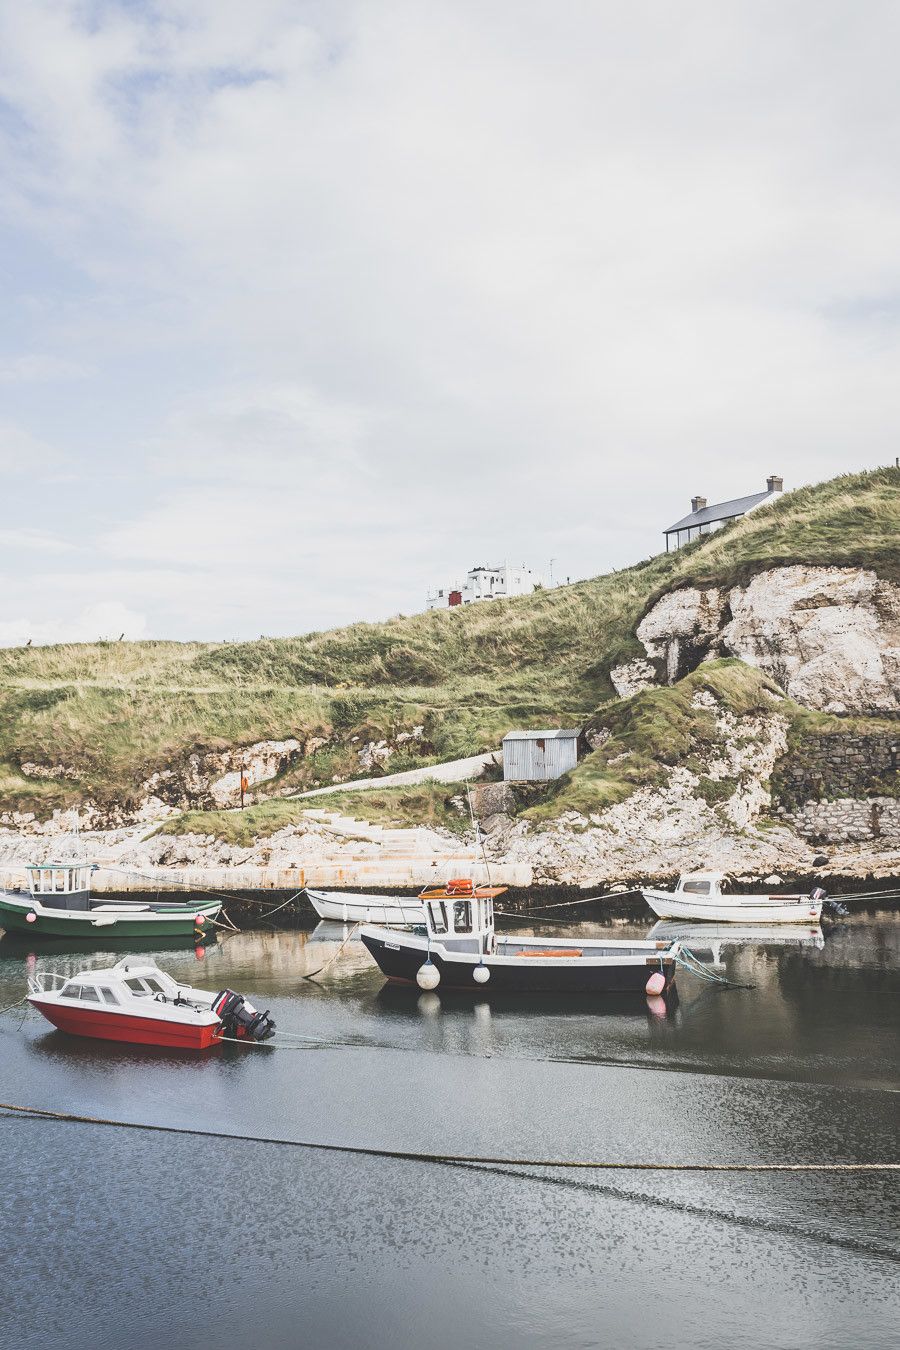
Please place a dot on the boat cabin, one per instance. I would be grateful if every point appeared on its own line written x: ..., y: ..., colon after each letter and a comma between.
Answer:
x: 59, y: 885
x: 708, y: 884
x: 465, y: 922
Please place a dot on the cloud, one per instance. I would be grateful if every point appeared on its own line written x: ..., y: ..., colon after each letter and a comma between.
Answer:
x: 104, y: 620
x: 40, y: 541
x: 38, y: 367
x: 375, y: 292
x: 23, y: 453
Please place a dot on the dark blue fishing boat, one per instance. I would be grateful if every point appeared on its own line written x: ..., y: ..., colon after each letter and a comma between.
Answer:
x: 456, y: 947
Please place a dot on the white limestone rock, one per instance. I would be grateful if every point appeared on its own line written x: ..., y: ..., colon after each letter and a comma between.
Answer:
x: 633, y: 676
x: 829, y: 636
x: 679, y: 625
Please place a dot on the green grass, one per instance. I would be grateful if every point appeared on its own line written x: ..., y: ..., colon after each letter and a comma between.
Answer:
x: 651, y: 732
x: 659, y: 729
x: 116, y: 712
x: 426, y: 804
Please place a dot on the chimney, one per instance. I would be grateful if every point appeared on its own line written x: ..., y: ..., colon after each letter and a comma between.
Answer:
x: 698, y: 503
x: 774, y: 483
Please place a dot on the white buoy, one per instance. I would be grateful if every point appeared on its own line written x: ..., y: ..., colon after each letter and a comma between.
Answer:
x: 30, y: 917
x: 428, y: 976
x: 481, y: 974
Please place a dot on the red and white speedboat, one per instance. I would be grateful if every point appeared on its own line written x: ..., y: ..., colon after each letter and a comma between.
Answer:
x: 135, y: 1001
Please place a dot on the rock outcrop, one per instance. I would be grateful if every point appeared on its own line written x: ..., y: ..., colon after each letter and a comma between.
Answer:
x: 829, y: 636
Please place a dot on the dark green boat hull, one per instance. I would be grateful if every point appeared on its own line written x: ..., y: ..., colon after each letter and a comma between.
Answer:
x: 167, y: 921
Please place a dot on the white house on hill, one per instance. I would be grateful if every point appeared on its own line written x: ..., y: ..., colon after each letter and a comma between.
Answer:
x: 486, y: 583
x: 704, y: 519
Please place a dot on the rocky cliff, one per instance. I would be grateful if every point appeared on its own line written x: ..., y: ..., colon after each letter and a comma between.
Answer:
x: 829, y: 636
x: 739, y: 698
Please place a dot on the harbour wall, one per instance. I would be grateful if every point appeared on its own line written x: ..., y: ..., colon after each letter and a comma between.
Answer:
x: 847, y: 820
x: 371, y: 874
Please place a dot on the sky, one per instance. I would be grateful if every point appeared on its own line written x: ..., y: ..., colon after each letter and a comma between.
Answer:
x: 309, y: 307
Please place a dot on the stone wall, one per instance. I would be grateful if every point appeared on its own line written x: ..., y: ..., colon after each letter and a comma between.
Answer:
x: 833, y: 766
x: 847, y: 820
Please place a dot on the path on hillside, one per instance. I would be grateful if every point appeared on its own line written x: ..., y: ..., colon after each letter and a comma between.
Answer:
x: 453, y: 771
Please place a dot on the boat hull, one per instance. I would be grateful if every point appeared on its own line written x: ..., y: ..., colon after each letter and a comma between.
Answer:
x: 364, y: 908
x: 171, y: 922
x: 400, y: 963
x: 99, y: 1024
x: 750, y: 909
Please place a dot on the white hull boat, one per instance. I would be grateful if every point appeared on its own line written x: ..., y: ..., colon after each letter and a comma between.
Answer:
x: 705, y: 896
x: 343, y: 908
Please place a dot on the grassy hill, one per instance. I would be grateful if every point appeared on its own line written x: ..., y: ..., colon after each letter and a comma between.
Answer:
x: 102, y: 717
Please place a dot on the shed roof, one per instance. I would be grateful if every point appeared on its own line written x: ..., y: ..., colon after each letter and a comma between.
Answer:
x: 738, y: 506
x: 552, y: 735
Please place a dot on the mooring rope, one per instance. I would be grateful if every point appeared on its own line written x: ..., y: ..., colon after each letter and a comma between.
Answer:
x: 450, y: 1159
x: 193, y: 887
x: 694, y: 966
x: 313, y: 973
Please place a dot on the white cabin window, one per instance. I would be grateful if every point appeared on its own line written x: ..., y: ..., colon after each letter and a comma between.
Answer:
x: 696, y: 887
x: 89, y: 994
x: 462, y: 916
x: 438, y: 916
x: 108, y: 995
x: 70, y: 991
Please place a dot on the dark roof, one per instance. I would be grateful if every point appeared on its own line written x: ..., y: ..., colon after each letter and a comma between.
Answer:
x: 721, y: 511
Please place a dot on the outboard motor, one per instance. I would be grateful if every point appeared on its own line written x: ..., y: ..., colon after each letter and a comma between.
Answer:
x: 240, y: 1019
x: 835, y: 908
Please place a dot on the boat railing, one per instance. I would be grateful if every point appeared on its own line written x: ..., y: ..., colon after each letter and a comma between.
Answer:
x: 46, y: 982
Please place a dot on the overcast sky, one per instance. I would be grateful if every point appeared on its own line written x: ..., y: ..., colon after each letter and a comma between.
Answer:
x: 309, y: 306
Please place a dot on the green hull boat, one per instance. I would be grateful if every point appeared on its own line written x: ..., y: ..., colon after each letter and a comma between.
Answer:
x: 102, y: 921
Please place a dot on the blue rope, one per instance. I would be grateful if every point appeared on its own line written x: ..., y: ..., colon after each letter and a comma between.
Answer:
x: 694, y: 966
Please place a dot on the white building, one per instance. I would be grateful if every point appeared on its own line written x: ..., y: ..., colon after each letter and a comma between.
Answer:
x: 704, y: 519
x: 486, y: 583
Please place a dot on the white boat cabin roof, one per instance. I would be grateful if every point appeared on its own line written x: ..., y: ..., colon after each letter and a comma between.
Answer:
x: 702, y: 876
x: 128, y: 969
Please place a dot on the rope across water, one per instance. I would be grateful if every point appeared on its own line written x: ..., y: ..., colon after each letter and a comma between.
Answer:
x: 449, y: 1159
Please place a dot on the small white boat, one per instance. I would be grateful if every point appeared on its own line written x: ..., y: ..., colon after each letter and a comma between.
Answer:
x: 706, y: 896
x: 136, y: 1002
x: 343, y: 908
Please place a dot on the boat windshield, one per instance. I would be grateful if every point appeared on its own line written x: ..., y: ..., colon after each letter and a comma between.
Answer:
x: 696, y: 887
x: 144, y: 987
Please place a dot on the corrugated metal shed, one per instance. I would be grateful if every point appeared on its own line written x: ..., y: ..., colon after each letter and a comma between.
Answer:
x: 536, y: 756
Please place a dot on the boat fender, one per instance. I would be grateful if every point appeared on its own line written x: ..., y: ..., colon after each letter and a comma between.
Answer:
x: 30, y: 917
x: 481, y: 974
x: 656, y: 984
x: 428, y: 976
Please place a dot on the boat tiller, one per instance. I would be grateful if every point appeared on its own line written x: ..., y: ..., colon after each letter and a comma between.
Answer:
x: 240, y: 1019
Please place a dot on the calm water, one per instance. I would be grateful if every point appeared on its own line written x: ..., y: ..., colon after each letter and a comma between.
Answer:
x: 117, y: 1238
